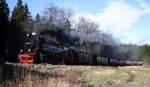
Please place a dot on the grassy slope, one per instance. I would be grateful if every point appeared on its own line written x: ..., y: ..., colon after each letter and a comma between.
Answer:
x: 129, y: 76
x: 78, y: 76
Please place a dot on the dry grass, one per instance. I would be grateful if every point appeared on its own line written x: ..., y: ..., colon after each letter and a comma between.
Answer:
x: 24, y: 75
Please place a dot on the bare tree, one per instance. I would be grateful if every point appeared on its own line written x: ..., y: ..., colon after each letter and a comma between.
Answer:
x: 85, y: 25
x: 56, y: 16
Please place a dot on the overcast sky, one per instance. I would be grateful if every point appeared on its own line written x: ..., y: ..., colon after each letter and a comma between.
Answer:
x: 127, y: 20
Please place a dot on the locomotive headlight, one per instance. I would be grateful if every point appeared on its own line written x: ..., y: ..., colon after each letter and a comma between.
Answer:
x: 29, y: 50
x: 21, y: 50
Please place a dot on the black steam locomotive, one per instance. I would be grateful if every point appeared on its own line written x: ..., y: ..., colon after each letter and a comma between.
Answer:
x: 44, y: 51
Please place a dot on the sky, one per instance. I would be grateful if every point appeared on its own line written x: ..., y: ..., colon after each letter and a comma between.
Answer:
x: 126, y: 20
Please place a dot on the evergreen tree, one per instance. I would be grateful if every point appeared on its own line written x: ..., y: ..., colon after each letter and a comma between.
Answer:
x: 144, y: 53
x: 4, y: 21
x: 37, y: 23
x: 37, y: 18
x: 26, y: 11
x: 4, y: 13
x: 18, y: 15
x: 28, y: 24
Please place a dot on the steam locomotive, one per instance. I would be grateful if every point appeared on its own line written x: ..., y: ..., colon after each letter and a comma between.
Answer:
x: 43, y: 51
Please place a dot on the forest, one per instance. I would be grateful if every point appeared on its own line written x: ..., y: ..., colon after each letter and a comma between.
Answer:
x: 14, y: 26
